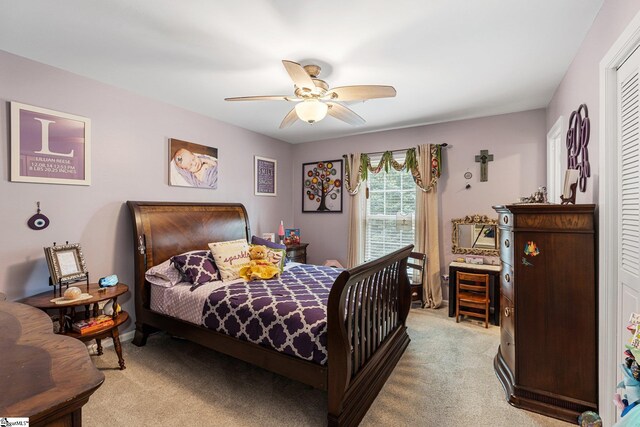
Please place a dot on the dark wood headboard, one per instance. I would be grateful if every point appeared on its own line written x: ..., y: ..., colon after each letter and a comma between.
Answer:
x: 164, y: 229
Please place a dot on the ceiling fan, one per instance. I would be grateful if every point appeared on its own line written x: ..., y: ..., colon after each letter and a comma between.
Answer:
x: 315, y: 99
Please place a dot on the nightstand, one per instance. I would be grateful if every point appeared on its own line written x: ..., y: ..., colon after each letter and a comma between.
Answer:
x: 43, y: 302
x: 297, y: 253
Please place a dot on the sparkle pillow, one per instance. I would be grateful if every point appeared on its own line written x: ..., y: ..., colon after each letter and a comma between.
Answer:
x: 229, y: 257
x: 196, y: 266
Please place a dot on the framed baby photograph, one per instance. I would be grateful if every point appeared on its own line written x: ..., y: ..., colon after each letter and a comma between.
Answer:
x: 192, y: 165
x: 49, y: 147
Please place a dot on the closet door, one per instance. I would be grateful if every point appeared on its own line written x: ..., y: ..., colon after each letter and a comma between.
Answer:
x: 628, y: 145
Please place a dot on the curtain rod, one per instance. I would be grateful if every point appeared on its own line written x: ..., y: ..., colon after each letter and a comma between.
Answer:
x: 403, y: 149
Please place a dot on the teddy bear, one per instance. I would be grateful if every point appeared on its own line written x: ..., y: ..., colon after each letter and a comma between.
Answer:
x: 259, y: 268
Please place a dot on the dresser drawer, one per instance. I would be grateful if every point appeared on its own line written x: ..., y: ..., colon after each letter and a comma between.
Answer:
x: 506, y: 281
x: 506, y: 245
x: 506, y: 315
x: 505, y: 219
x: 508, y: 349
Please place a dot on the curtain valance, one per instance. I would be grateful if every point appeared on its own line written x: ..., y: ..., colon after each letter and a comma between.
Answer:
x: 362, y: 164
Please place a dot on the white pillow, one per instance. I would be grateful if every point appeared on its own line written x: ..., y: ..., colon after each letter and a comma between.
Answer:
x: 229, y: 257
x: 164, y: 274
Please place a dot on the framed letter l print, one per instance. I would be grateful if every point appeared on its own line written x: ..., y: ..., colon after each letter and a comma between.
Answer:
x: 49, y: 147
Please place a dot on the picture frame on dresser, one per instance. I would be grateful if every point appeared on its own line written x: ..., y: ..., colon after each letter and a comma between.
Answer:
x: 49, y: 147
x: 66, y: 263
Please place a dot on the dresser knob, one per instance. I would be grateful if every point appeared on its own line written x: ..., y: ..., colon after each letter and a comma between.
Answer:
x: 507, y: 311
x: 506, y: 243
x: 506, y: 219
x: 507, y: 277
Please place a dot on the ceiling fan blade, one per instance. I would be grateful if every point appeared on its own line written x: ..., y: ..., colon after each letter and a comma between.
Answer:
x: 299, y: 76
x: 289, y: 119
x: 359, y: 93
x: 345, y: 114
x: 261, y: 98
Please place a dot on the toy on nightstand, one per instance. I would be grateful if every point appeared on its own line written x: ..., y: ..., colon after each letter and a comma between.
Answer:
x: 105, y: 282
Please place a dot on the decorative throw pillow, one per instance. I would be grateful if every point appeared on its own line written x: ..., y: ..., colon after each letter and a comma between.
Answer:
x: 277, y: 257
x: 255, y: 240
x: 196, y: 266
x: 229, y: 257
x: 164, y: 274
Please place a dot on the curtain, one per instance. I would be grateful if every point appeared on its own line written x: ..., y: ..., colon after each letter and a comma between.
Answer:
x: 357, y: 206
x: 427, y: 241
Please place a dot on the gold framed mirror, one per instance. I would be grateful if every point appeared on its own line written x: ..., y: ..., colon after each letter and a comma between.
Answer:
x: 475, y: 235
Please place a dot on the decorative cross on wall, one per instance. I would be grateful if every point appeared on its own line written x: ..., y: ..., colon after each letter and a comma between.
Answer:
x: 484, y: 158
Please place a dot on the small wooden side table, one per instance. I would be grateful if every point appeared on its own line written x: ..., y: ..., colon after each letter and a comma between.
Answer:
x: 297, y: 253
x: 43, y: 302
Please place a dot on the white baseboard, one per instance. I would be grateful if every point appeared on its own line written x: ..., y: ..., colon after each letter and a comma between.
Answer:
x: 106, y: 343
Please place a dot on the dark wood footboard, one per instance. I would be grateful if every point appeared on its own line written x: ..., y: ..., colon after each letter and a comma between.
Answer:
x: 366, y: 315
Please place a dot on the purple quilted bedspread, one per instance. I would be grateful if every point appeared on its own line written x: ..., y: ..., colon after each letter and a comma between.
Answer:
x: 287, y: 314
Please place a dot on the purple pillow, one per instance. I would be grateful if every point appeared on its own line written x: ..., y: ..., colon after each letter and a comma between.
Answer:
x: 198, y: 267
x: 255, y: 240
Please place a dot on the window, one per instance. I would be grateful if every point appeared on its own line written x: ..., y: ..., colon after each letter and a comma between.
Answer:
x: 389, y: 193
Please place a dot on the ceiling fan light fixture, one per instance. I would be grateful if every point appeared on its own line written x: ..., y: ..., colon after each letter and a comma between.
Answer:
x: 311, y: 110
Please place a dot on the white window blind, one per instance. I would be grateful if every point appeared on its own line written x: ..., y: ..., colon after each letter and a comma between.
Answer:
x: 389, y: 193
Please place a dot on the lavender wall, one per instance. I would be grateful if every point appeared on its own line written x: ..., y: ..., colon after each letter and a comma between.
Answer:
x: 129, y: 143
x: 581, y: 82
x: 516, y: 140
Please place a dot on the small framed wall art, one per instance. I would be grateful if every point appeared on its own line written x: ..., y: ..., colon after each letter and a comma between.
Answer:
x: 192, y: 165
x: 265, y: 176
x: 322, y: 186
x: 49, y: 147
x: 66, y: 263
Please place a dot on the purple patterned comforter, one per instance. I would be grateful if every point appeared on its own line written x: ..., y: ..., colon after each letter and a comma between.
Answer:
x: 287, y: 314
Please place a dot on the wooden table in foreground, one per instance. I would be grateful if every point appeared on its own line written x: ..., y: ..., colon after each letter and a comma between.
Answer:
x: 43, y: 302
x: 45, y: 377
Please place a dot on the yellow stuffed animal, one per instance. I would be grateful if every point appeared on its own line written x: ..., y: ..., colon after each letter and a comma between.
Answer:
x: 258, y: 268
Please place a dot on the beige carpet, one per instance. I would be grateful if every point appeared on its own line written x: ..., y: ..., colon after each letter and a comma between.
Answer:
x: 445, y: 378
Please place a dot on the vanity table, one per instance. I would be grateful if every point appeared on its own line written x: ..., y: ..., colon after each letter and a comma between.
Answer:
x: 476, y: 235
x: 494, y: 286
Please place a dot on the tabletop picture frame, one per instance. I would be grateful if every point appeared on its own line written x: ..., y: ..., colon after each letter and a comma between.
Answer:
x: 265, y: 176
x: 66, y: 263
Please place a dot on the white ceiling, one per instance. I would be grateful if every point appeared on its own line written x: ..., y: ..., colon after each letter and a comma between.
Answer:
x: 448, y: 59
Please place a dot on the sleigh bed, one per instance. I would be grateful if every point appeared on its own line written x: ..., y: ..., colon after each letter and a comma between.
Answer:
x: 365, y: 313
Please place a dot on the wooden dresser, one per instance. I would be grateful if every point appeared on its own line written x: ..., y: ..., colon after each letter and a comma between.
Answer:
x: 45, y: 377
x: 547, y: 361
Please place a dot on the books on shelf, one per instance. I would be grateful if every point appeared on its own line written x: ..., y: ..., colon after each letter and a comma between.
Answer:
x: 92, y: 324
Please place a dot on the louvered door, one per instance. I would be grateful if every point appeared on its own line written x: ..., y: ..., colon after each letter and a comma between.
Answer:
x: 628, y: 195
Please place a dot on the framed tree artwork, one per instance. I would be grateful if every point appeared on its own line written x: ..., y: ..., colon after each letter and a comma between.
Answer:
x: 322, y: 186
